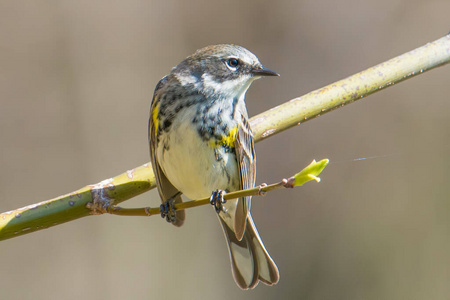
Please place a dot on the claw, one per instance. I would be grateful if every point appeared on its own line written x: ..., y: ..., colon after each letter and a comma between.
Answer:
x: 167, y: 210
x: 217, y: 200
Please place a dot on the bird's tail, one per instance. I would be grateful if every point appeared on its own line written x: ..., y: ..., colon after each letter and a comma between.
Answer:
x: 250, y: 261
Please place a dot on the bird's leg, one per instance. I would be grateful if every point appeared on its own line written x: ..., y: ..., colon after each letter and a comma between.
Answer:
x: 217, y: 200
x: 167, y: 209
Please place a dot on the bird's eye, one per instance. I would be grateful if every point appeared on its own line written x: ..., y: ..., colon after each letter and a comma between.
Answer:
x: 232, y: 63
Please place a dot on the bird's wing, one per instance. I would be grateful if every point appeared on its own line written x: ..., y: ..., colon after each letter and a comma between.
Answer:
x: 165, y: 188
x: 246, y: 158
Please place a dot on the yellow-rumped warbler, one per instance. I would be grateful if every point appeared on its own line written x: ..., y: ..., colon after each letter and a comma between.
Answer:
x: 201, y: 144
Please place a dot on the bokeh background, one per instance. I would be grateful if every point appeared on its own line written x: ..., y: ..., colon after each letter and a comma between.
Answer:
x: 76, y: 80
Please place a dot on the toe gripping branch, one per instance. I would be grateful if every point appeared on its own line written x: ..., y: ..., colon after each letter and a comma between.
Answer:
x: 167, y: 210
x: 217, y: 200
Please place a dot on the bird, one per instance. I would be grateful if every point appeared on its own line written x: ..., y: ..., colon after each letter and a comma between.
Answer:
x: 201, y: 145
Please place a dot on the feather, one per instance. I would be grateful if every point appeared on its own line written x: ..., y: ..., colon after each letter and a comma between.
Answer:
x: 165, y: 188
x: 250, y: 261
x: 246, y: 158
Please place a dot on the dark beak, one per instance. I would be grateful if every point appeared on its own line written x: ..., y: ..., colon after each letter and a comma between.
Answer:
x: 262, y: 71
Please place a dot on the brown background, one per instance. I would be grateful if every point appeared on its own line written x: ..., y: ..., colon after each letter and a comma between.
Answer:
x: 76, y: 79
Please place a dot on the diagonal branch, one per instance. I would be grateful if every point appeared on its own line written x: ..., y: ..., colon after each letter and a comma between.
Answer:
x: 139, y: 180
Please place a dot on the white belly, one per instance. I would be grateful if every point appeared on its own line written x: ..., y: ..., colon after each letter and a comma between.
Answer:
x: 191, y: 165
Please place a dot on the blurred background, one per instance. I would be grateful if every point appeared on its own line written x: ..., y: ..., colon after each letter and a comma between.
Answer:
x: 76, y: 81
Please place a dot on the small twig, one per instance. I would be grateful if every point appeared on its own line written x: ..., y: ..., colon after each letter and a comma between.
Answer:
x: 260, y: 190
x: 307, y: 174
x: 143, y: 212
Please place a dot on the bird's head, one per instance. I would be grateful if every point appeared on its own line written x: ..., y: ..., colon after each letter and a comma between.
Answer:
x: 226, y: 70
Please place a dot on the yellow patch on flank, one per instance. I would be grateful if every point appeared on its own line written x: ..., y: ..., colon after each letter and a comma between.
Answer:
x: 155, y: 118
x: 227, y: 140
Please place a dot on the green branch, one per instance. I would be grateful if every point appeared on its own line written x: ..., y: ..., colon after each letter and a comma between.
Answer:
x: 307, y: 174
x: 139, y: 180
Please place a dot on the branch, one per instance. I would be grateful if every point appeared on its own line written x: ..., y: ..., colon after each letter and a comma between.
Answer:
x: 294, y: 112
x: 307, y: 174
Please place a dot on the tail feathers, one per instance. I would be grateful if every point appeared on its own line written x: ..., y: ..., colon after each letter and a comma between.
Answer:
x: 250, y: 261
x: 180, y: 215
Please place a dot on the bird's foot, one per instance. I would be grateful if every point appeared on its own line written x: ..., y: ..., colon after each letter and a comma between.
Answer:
x: 217, y: 200
x: 167, y: 210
